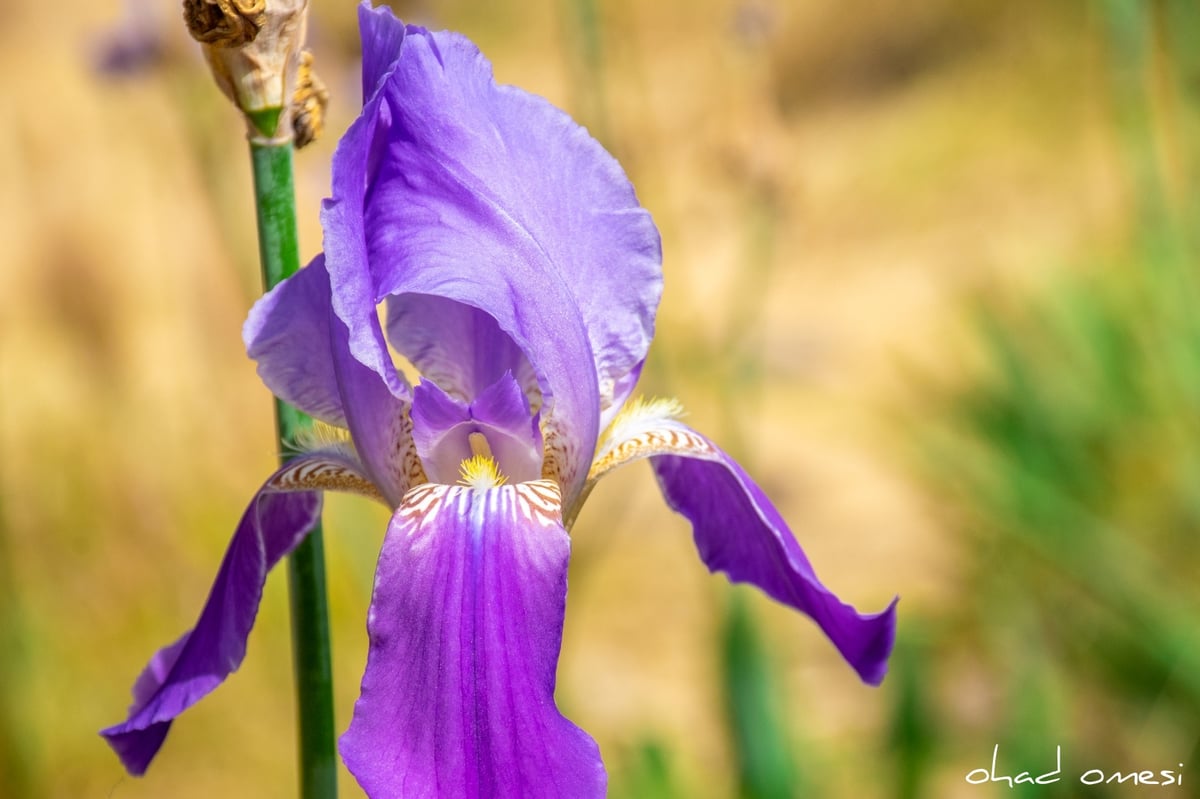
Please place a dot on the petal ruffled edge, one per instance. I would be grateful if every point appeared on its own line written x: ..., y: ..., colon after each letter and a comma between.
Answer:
x: 382, y: 35
x: 465, y: 628
x: 180, y: 675
x: 738, y: 531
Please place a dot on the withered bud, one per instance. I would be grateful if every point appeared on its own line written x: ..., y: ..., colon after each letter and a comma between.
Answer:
x: 231, y: 23
x: 308, y: 103
x: 253, y: 48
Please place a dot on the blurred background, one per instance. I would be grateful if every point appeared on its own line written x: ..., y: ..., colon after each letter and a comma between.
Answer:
x: 930, y: 274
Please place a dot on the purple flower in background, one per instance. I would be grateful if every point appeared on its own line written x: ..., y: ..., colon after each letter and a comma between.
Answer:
x: 520, y: 277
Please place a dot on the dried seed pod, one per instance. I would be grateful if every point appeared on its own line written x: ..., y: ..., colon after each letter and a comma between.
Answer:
x: 253, y: 48
x: 230, y: 23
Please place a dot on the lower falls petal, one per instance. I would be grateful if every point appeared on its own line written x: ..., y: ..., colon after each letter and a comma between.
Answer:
x: 465, y: 628
x: 180, y: 675
x: 737, y: 530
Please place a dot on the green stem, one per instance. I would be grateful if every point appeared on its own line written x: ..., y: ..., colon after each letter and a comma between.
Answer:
x: 278, y: 250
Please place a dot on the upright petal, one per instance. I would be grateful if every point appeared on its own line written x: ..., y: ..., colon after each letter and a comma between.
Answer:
x: 381, y: 36
x: 465, y: 628
x: 355, y: 297
x: 459, y: 347
x: 738, y: 531
x: 180, y: 675
x: 450, y: 185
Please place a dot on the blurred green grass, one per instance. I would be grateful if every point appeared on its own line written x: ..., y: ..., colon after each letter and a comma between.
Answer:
x: 834, y: 190
x: 1069, y: 455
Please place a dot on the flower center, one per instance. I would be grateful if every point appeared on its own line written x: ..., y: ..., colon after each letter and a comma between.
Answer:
x: 480, y: 471
x: 496, y: 426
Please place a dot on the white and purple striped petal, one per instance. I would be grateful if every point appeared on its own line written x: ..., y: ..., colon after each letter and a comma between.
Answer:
x: 465, y: 628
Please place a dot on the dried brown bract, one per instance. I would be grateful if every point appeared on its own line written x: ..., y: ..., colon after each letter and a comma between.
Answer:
x: 230, y: 23
x: 308, y: 103
x: 254, y: 50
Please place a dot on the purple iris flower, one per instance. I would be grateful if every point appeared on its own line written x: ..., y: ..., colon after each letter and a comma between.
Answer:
x: 521, y: 278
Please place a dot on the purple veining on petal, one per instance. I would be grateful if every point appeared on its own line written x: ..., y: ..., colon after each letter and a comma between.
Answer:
x: 183, y: 673
x: 465, y: 628
x: 522, y: 278
x: 621, y: 390
x: 738, y: 531
x: 442, y: 425
x: 460, y: 348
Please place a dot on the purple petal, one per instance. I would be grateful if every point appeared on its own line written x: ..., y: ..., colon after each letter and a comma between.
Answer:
x: 460, y: 348
x: 378, y: 420
x: 450, y: 185
x: 442, y: 424
x: 287, y: 333
x: 303, y: 357
x: 737, y: 529
x: 354, y: 295
x: 183, y: 673
x: 465, y: 628
x: 739, y: 532
x: 382, y: 36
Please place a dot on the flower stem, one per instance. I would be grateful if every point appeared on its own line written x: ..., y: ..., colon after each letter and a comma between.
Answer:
x: 278, y: 250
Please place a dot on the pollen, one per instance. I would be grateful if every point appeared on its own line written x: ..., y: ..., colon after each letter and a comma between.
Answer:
x: 480, y: 471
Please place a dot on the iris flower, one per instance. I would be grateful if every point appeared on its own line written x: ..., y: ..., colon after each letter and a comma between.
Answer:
x: 520, y: 276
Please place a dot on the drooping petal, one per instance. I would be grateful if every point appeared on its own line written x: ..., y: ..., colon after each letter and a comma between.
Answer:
x: 465, y: 628
x: 442, y: 426
x: 739, y: 532
x: 287, y: 334
x: 450, y: 185
x: 181, y: 674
